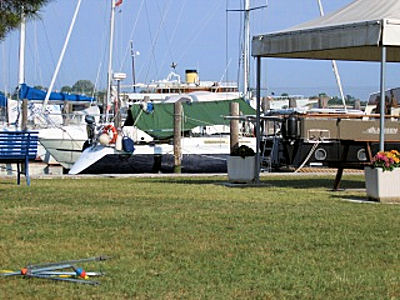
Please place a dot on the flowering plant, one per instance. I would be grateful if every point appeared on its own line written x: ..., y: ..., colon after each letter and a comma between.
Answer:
x: 387, y: 160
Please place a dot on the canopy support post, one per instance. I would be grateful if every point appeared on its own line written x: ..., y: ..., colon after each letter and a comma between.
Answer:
x: 258, y: 99
x: 383, y: 101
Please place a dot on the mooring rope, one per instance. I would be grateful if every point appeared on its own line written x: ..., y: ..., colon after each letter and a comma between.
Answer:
x: 313, y: 148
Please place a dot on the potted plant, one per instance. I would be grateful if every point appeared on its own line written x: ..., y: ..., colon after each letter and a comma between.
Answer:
x: 382, y: 178
x: 241, y: 164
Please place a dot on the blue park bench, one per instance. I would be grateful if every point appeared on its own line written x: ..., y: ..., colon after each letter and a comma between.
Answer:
x: 18, y: 147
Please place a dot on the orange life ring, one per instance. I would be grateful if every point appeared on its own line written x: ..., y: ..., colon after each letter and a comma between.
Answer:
x: 110, y: 128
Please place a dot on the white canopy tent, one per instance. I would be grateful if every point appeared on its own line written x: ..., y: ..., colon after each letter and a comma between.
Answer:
x: 364, y: 30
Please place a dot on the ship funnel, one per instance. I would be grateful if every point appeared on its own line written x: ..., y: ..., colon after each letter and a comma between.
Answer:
x: 192, y: 76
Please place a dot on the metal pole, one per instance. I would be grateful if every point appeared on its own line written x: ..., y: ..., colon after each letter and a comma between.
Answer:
x: 60, y: 59
x: 382, y: 104
x: 246, y: 54
x: 22, y: 34
x: 70, y: 262
x: 258, y: 96
x: 21, y: 71
x: 110, y: 54
x: 334, y: 65
x: 117, y: 113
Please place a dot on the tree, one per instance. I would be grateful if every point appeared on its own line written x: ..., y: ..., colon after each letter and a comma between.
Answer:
x: 10, y: 13
x: 66, y: 89
x: 39, y: 87
x: 83, y: 87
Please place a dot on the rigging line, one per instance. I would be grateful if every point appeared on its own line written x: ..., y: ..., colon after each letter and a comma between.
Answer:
x: 127, y: 49
x: 103, y: 56
x: 151, y: 38
x: 166, y: 8
x: 119, y: 18
x: 37, y: 55
x: 172, y: 38
x: 207, y: 18
x: 204, y: 123
x: 48, y: 42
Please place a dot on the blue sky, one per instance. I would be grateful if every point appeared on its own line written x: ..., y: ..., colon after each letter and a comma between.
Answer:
x: 191, y: 33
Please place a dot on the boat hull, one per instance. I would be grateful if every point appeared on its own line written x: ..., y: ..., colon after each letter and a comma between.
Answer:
x: 64, y: 144
x: 199, y: 155
x: 157, y: 163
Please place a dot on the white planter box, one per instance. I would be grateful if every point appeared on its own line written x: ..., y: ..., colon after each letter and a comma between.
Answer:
x: 241, y: 169
x: 383, y: 186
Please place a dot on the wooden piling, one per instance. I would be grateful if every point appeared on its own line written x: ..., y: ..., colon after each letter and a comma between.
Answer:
x: 265, y: 106
x: 24, y: 121
x: 357, y: 104
x: 292, y: 103
x: 234, y: 126
x: 323, y: 101
x: 177, y: 137
x: 67, y: 109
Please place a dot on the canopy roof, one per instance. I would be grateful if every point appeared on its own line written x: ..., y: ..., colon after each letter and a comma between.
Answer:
x: 354, y: 32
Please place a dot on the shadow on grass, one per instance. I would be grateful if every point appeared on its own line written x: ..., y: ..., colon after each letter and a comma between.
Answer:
x: 315, y: 183
x: 299, y: 183
x: 14, y: 182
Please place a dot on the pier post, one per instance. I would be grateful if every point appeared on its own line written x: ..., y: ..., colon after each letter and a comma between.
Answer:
x: 67, y: 109
x: 234, y: 125
x: 24, y: 122
x: 177, y: 137
x: 292, y: 103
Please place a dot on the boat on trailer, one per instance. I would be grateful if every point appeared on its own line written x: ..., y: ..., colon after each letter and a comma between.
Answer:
x: 325, y: 137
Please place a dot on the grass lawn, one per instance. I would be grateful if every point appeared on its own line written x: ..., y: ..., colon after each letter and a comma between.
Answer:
x: 192, y: 238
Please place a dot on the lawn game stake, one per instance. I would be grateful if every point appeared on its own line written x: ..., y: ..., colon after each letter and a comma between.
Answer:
x: 58, y: 271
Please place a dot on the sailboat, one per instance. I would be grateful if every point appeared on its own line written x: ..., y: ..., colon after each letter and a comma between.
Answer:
x: 61, y: 136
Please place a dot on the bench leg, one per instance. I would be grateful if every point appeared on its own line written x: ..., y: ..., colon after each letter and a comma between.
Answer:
x: 28, y: 179
x: 18, y: 174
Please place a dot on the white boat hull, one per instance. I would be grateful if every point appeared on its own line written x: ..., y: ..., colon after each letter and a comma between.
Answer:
x: 64, y: 144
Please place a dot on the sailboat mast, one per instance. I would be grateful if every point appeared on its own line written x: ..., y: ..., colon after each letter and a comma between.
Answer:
x: 22, y: 39
x: 21, y: 58
x: 110, y: 55
x: 246, y: 52
x: 334, y: 64
x: 60, y: 59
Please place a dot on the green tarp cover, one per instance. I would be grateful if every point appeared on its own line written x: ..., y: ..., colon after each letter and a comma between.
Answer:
x: 160, y: 123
